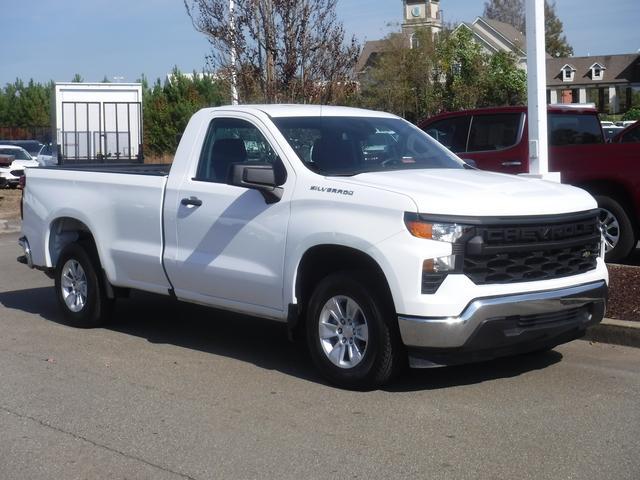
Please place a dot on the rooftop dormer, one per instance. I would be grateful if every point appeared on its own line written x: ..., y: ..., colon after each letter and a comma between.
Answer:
x: 568, y: 73
x: 597, y: 71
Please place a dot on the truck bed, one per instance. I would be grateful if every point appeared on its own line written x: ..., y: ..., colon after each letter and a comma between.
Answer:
x: 120, y: 204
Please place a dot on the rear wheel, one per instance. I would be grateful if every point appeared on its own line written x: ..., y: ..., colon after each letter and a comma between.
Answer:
x: 350, y: 333
x: 79, y: 287
x: 617, y: 228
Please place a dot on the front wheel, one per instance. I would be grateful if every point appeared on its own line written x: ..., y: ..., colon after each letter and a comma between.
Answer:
x: 79, y: 288
x: 618, y: 231
x: 351, y: 334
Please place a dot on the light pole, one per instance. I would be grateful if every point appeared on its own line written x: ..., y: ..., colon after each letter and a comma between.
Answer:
x: 234, y: 80
x: 537, y: 93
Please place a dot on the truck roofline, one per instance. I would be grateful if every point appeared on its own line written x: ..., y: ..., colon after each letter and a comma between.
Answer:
x: 298, y: 110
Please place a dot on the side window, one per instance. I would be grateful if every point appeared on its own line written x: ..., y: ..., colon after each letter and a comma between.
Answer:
x: 574, y: 129
x: 452, y: 133
x: 494, y: 132
x: 229, y: 141
x: 632, y: 137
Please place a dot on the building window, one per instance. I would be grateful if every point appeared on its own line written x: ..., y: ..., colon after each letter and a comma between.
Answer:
x: 414, y: 41
x: 597, y: 71
x: 567, y: 73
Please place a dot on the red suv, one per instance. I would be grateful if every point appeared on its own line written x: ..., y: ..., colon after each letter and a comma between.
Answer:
x: 631, y: 134
x: 497, y: 139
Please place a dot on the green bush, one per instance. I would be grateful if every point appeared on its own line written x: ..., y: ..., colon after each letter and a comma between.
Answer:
x: 632, y: 114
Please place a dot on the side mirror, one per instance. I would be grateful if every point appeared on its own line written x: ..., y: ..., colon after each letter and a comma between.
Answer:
x: 257, y: 177
x: 471, y: 163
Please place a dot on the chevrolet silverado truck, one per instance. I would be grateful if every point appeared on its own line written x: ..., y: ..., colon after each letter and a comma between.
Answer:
x: 496, y: 139
x: 294, y: 213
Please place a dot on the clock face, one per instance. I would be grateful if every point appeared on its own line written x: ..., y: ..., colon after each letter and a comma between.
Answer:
x: 415, y: 11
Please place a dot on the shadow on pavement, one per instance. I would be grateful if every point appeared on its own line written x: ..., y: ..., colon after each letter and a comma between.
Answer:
x: 160, y: 320
x: 439, y: 378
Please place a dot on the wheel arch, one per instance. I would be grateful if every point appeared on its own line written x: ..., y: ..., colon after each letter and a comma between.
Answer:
x: 66, y: 230
x: 321, y: 260
x: 618, y: 192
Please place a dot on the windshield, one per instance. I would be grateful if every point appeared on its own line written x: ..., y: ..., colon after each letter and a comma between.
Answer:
x: 30, y: 146
x: 353, y: 145
x: 18, y: 153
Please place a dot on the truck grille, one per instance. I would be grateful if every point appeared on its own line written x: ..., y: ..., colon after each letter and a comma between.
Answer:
x: 529, y: 252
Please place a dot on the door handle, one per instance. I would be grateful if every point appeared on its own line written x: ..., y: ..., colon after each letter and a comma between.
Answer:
x: 514, y: 163
x: 191, y: 201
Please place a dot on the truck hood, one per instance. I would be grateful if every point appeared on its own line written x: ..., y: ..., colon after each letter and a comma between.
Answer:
x: 479, y: 193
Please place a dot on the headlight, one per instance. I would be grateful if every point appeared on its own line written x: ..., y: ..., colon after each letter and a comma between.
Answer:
x: 442, y: 232
x: 435, y: 270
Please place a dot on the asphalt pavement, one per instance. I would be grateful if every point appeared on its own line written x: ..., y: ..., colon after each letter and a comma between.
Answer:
x: 176, y: 391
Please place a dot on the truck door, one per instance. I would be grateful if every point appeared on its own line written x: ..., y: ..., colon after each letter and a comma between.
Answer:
x: 225, y: 244
x: 495, y: 142
x: 575, y: 141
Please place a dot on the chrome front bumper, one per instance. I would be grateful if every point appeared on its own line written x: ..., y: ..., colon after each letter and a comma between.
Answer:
x: 509, y: 320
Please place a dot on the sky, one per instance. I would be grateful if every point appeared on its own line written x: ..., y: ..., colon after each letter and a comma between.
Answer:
x: 54, y: 39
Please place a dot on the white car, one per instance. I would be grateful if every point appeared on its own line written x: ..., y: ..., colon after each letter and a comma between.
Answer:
x: 406, y: 254
x: 10, y: 175
x: 607, y: 123
x: 46, y: 157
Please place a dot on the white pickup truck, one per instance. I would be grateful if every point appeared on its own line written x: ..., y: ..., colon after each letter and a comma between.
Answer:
x: 354, y: 227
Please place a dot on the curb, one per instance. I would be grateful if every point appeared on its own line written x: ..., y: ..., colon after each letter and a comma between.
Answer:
x: 10, y: 226
x: 616, y: 332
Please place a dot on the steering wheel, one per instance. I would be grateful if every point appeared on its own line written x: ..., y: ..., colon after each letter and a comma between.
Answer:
x: 390, y: 161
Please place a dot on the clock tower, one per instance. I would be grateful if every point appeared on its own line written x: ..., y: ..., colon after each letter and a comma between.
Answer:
x: 421, y: 14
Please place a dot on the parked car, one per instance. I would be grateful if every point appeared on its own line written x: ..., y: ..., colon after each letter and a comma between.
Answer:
x: 10, y: 174
x: 497, y: 139
x: 631, y: 134
x: 607, y: 123
x: 625, y: 123
x: 46, y: 157
x: 411, y: 254
x: 31, y: 146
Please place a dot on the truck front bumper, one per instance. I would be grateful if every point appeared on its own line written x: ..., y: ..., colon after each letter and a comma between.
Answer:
x: 499, y: 326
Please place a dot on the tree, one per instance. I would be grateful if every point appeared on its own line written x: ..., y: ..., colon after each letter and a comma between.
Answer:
x: 168, y: 107
x: 458, y: 73
x: 504, y: 83
x: 25, y: 105
x: 77, y: 78
x: 556, y: 42
x: 506, y: 11
x: 632, y: 114
x: 286, y: 50
x: 400, y: 81
x: 448, y: 73
x: 513, y: 13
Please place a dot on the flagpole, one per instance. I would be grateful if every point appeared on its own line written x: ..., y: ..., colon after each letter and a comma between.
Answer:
x: 234, y: 80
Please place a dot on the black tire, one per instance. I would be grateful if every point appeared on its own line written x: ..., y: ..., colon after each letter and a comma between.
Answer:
x: 627, y: 240
x: 97, y: 309
x: 384, y: 355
